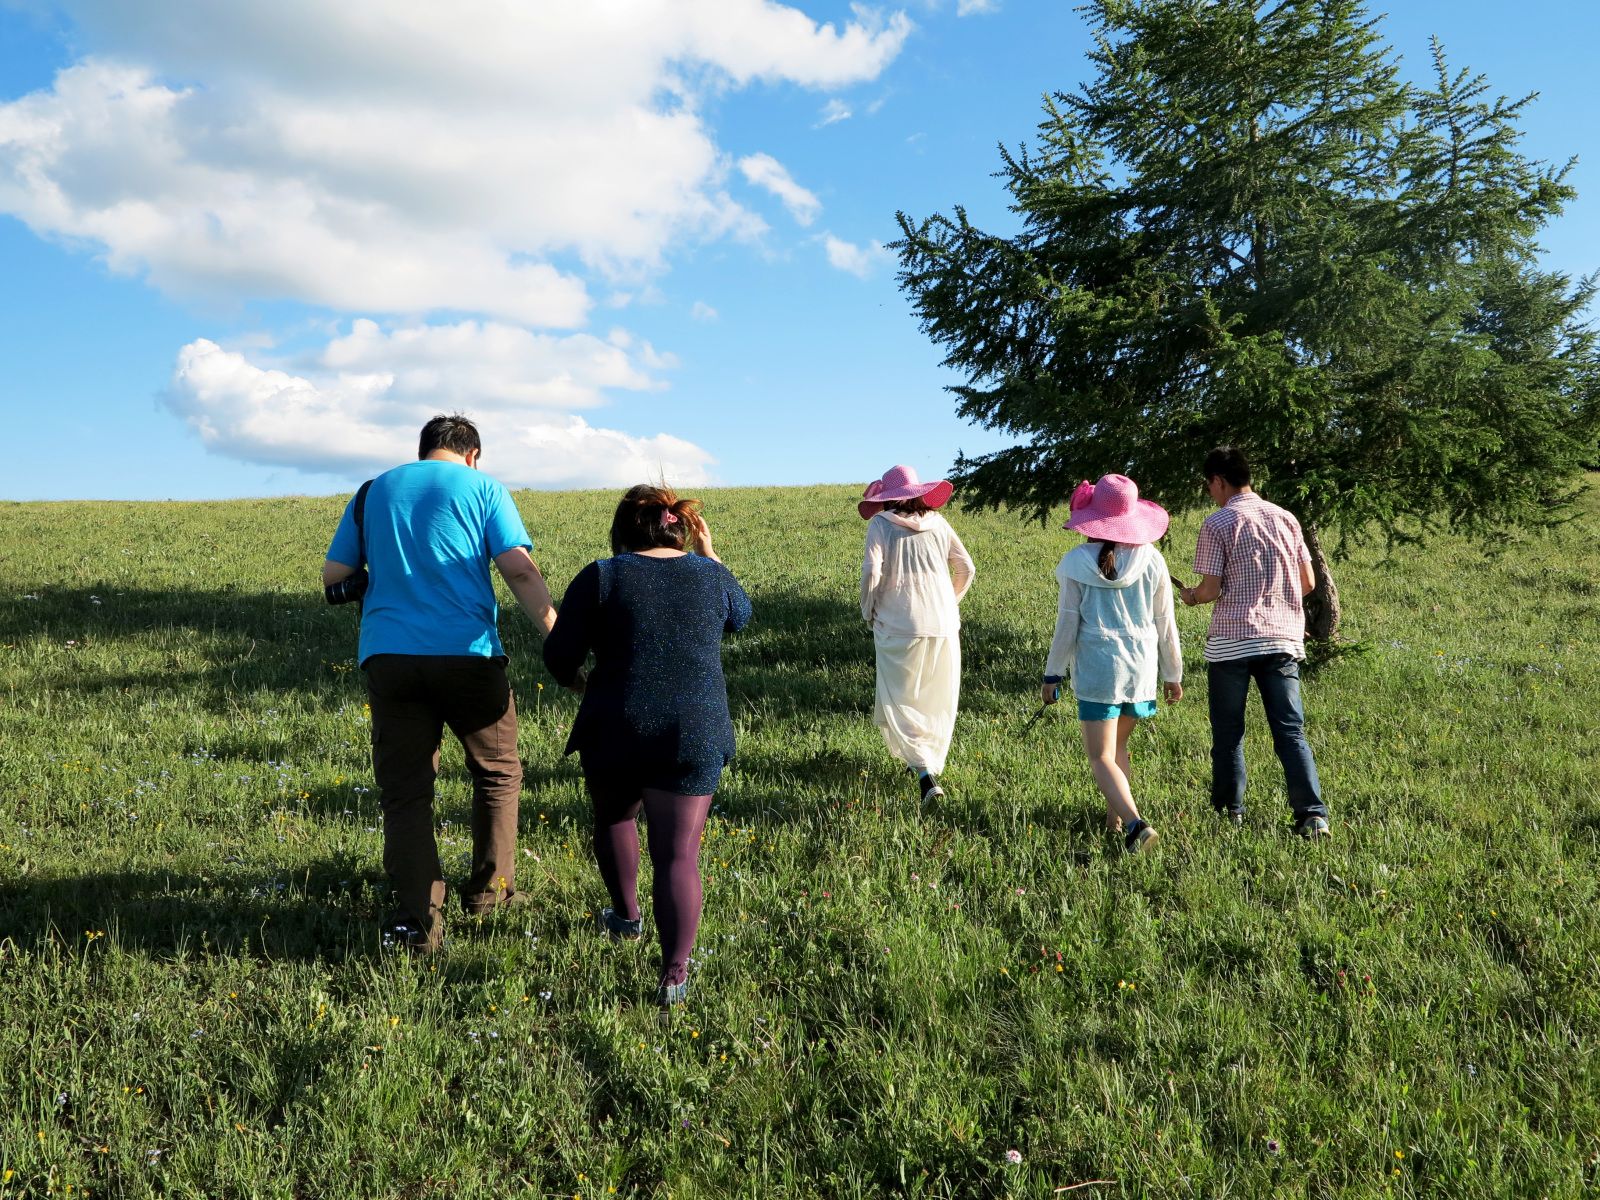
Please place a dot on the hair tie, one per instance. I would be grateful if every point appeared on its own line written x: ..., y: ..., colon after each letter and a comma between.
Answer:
x: 668, y: 517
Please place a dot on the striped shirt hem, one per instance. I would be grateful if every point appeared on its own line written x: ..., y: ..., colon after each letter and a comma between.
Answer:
x: 1229, y: 649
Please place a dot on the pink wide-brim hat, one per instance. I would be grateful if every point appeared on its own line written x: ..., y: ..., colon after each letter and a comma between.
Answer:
x: 900, y: 483
x: 1111, y: 511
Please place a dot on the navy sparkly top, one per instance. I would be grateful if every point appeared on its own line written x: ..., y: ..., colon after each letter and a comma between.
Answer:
x: 656, y: 703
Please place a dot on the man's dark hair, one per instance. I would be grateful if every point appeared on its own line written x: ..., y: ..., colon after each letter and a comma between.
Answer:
x: 1230, y: 463
x: 454, y: 433
x: 648, y: 517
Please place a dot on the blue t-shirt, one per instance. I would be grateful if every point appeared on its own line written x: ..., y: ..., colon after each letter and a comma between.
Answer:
x: 431, y: 528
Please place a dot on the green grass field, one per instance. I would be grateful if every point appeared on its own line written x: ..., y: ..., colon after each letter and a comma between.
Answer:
x: 195, y: 1002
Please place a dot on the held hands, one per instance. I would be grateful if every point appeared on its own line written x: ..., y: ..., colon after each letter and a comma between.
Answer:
x: 1172, y: 692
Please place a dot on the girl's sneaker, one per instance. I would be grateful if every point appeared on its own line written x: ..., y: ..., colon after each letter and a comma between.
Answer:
x: 1139, y: 838
x: 930, y: 788
x: 620, y: 927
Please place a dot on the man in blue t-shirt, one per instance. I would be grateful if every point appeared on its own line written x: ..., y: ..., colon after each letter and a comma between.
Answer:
x: 432, y: 658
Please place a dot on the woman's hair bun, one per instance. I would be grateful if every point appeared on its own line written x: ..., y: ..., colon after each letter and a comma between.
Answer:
x: 640, y: 522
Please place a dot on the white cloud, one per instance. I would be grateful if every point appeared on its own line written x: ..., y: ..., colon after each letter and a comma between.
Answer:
x: 857, y: 260
x: 519, y: 163
x: 702, y: 311
x: 404, y: 156
x: 767, y: 172
x: 833, y: 111
x: 650, y: 294
x: 470, y: 365
x: 967, y: 8
x: 355, y: 407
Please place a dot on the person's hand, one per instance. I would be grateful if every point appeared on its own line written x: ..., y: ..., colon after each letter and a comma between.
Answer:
x: 700, y: 537
x: 1172, y: 691
x: 1050, y: 693
x: 1187, y: 596
x: 580, y: 681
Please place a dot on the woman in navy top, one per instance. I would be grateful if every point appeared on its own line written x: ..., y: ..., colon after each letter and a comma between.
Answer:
x: 653, y: 730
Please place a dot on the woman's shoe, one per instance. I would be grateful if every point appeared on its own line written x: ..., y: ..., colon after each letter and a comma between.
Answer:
x: 669, y: 994
x: 930, y: 788
x: 619, y: 927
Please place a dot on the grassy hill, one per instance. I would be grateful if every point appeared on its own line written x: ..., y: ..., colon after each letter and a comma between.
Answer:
x: 885, y: 1001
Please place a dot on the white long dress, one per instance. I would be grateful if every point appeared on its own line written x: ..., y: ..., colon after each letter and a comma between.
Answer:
x: 913, y: 575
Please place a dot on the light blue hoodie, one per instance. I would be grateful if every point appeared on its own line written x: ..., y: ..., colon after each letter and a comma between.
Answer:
x: 1115, y: 634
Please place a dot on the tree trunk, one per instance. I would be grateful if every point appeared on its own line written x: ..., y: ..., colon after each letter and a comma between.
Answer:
x: 1322, y: 602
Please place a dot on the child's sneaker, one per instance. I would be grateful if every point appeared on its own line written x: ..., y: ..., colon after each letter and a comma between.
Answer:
x: 1139, y: 838
x: 930, y: 788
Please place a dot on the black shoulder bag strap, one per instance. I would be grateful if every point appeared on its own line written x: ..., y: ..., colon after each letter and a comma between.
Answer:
x: 360, y: 517
x: 359, y: 512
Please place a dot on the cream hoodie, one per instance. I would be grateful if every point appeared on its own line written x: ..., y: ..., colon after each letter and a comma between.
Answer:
x: 913, y: 576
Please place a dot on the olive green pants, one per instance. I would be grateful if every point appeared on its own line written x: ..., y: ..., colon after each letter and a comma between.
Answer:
x: 414, y: 697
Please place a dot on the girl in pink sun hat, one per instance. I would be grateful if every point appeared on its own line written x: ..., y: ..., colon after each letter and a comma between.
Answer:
x: 1115, y: 634
x: 913, y: 576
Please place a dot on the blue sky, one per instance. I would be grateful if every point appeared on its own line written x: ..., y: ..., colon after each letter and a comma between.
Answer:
x: 245, y: 248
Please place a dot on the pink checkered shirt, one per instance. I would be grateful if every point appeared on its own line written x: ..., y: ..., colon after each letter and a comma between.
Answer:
x: 1256, y: 549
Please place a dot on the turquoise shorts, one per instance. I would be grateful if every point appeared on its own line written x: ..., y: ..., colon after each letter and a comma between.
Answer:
x: 1088, y: 710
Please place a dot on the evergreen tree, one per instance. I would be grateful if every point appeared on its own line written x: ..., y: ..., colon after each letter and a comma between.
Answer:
x: 1249, y: 229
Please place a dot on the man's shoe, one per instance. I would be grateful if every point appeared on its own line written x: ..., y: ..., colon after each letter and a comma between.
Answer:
x: 1140, y: 838
x: 401, y: 932
x: 930, y: 788
x: 1313, y: 828
x: 478, y: 907
x: 619, y: 926
x: 1234, y: 820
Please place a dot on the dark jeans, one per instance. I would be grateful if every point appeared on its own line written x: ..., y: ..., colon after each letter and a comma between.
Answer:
x: 1278, y: 678
x: 413, y: 698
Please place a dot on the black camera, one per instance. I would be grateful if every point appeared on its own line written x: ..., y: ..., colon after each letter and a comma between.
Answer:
x: 348, y: 590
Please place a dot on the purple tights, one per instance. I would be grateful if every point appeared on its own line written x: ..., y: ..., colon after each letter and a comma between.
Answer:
x: 673, y: 824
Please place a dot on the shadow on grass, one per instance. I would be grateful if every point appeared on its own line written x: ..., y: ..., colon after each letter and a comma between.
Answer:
x: 327, y: 912
x: 811, y: 652
x: 218, y: 645
x: 1322, y: 655
x: 803, y: 652
x: 234, y: 652
x: 320, y: 912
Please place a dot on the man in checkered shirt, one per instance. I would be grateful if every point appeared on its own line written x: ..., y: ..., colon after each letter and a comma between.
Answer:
x: 1254, y: 565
